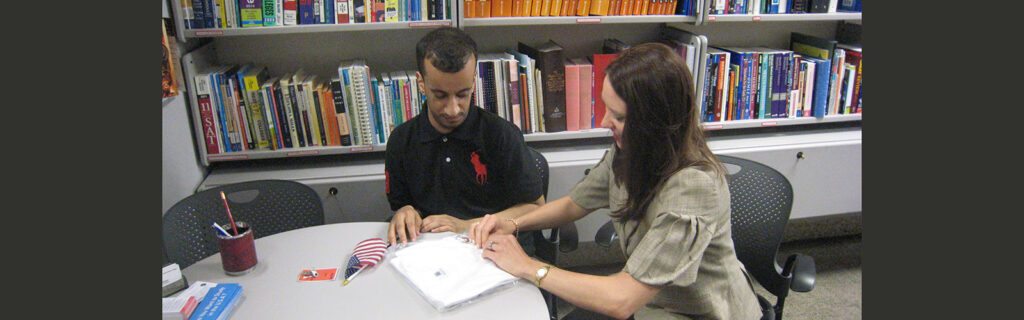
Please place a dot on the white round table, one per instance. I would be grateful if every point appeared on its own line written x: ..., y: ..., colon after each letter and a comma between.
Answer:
x: 272, y: 289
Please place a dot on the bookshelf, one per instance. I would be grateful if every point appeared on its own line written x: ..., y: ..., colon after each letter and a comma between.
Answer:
x: 350, y: 179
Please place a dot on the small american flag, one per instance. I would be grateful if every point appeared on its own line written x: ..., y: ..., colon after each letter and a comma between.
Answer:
x: 368, y: 253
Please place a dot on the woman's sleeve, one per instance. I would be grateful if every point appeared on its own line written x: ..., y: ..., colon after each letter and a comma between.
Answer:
x: 671, y: 250
x: 592, y: 192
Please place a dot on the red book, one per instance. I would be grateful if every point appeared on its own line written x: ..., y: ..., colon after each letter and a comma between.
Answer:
x: 341, y: 10
x: 600, y: 62
x: 572, y: 96
x: 291, y: 12
x: 854, y: 58
x: 586, y: 89
x: 210, y: 125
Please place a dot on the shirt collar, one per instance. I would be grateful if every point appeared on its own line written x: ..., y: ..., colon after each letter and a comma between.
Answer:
x: 468, y: 130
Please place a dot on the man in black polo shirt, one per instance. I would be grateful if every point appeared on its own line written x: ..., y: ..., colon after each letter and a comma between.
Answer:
x: 455, y: 162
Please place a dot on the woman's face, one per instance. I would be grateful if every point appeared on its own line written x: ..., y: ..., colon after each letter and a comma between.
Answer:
x: 615, y: 112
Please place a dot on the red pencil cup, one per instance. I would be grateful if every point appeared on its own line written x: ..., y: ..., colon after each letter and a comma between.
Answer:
x: 238, y: 253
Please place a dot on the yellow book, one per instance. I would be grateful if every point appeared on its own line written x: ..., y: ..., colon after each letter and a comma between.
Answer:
x: 556, y: 8
x: 223, y: 23
x: 545, y: 7
x: 599, y: 7
x: 468, y: 9
x: 390, y: 10
x: 535, y: 7
x: 526, y: 7
x: 485, y: 9
x: 583, y: 9
x: 257, y: 120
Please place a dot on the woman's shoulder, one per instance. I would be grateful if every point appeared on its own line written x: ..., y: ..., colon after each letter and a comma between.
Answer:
x: 692, y: 191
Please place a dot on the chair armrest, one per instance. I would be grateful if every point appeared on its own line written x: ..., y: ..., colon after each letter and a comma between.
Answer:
x: 606, y: 235
x: 800, y: 268
x: 568, y: 237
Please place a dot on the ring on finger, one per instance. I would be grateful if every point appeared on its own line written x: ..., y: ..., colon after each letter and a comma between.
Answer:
x: 490, y: 245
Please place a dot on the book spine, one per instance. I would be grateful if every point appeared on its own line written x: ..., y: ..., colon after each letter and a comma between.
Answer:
x: 330, y: 17
x: 291, y: 114
x: 316, y: 116
x: 350, y: 102
x: 305, y: 11
x: 513, y: 94
x: 341, y: 11
x: 711, y: 76
x: 341, y: 113
x: 304, y: 117
x: 553, y: 68
x: 300, y: 128
x: 198, y: 14
x: 281, y: 118
x: 257, y: 118
x: 291, y: 12
x: 240, y: 114
x: 206, y: 115
x: 269, y: 13
x: 572, y: 96
x: 251, y: 13
x: 330, y: 116
x: 267, y: 102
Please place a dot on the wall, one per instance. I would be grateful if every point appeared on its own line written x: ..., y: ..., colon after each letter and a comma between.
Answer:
x: 181, y: 169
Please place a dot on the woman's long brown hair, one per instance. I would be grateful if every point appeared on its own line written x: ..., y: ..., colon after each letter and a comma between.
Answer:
x: 662, y: 134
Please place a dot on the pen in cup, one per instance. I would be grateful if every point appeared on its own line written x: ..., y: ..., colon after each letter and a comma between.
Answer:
x: 221, y: 230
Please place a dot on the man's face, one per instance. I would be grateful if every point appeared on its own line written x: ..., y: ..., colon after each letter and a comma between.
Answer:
x: 448, y: 94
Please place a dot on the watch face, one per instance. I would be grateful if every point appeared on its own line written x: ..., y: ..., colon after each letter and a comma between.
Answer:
x: 541, y: 272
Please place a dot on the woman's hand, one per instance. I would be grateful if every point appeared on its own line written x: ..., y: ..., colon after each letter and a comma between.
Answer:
x: 487, y: 226
x: 506, y: 253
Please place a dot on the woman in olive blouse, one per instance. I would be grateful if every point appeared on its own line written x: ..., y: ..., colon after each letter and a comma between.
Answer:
x: 669, y: 202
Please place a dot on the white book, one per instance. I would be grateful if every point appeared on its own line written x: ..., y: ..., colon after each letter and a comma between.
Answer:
x: 291, y: 16
x: 833, y: 5
x: 383, y: 103
x: 783, y: 6
x: 267, y: 101
x: 414, y: 89
x: 754, y: 7
x: 539, y: 107
x: 850, y: 69
x: 719, y: 7
x: 278, y: 12
x: 809, y: 88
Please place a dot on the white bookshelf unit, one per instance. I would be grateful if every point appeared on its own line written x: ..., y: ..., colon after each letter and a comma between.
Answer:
x: 350, y: 179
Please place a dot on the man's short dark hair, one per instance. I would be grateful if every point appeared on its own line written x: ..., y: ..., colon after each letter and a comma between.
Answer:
x: 447, y: 48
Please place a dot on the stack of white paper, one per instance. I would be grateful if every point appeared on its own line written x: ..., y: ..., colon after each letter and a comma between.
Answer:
x: 448, y: 271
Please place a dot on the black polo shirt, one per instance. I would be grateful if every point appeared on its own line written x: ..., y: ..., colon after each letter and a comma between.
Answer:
x: 481, y: 167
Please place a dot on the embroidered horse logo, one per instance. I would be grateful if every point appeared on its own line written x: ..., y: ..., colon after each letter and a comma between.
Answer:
x: 481, y: 169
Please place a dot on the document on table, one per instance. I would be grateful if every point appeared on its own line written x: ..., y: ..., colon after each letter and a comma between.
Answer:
x: 448, y: 270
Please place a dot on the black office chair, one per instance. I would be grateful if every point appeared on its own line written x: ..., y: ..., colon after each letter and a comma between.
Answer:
x: 269, y: 206
x: 761, y: 199
x: 560, y: 239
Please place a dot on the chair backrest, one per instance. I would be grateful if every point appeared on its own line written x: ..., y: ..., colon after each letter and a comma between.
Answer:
x: 542, y: 167
x: 761, y: 200
x: 269, y: 206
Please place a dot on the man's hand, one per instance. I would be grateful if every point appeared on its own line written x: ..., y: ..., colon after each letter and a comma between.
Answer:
x: 405, y: 225
x: 444, y: 222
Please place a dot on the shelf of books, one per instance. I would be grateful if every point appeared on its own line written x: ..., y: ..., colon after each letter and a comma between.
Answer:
x: 773, y: 10
x: 784, y: 17
x: 200, y: 33
x: 532, y: 12
x: 217, y: 18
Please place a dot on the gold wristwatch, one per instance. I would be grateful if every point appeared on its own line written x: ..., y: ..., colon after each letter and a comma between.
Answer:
x: 541, y: 273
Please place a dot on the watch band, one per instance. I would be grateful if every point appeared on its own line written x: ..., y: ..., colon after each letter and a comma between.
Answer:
x: 542, y: 273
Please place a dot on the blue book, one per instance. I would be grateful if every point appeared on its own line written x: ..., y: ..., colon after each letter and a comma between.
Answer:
x: 329, y: 16
x: 198, y: 14
x: 773, y: 7
x: 849, y: 6
x: 356, y: 134
x: 306, y: 12
x: 822, y: 75
x: 211, y: 18
x: 216, y: 81
x: 218, y: 302
x: 764, y: 96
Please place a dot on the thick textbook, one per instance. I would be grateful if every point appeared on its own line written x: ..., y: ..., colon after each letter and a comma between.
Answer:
x: 551, y: 63
x: 218, y: 302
